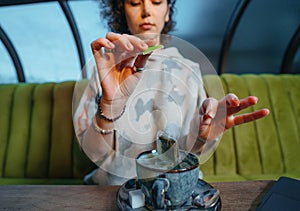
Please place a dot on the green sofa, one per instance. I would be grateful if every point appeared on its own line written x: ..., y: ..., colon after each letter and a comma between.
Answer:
x: 38, y: 145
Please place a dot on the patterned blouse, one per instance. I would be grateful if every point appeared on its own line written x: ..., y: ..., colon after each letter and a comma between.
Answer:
x: 167, y: 98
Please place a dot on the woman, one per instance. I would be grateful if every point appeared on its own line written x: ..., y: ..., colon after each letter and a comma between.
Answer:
x: 133, y: 104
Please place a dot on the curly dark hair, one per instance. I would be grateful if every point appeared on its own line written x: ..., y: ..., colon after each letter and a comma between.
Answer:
x: 113, y: 11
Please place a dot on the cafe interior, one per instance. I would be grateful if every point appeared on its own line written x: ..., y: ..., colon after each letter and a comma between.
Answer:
x: 251, y: 46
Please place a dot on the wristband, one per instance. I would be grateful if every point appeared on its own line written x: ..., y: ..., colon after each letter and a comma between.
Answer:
x: 201, y: 140
x: 100, y: 130
x: 103, y: 116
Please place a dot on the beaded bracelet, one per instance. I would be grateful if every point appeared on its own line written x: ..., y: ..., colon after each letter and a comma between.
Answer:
x: 103, y: 116
x: 100, y: 130
x: 201, y: 140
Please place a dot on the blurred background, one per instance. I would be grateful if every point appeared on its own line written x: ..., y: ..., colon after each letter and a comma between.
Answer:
x: 50, y: 40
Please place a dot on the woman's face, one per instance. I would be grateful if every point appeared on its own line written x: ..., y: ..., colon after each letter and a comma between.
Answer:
x: 146, y: 16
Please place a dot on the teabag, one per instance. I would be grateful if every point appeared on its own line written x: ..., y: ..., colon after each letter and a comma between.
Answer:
x: 167, y: 147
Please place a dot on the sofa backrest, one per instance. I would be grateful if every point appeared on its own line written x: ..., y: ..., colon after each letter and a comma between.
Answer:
x: 36, y: 132
x: 37, y: 137
x: 267, y: 146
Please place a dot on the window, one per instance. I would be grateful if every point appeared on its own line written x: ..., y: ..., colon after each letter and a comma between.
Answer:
x: 44, y: 42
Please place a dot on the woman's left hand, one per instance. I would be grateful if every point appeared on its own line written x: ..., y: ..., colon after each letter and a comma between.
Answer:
x: 218, y: 116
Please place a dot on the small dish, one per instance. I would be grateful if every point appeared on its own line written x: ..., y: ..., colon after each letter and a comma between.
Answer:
x: 202, y: 190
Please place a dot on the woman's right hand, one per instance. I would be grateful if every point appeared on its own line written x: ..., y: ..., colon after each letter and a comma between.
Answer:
x: 117, y: 58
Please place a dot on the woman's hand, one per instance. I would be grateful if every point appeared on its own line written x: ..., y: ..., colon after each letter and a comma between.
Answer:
x: 218, y: 116
x: 117, y: 58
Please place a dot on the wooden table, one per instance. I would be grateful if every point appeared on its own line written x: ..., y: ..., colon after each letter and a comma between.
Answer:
x: 234, y: 195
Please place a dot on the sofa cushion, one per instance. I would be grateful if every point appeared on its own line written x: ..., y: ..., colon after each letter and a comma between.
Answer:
x: 267, y: 148
x: 37, y: 137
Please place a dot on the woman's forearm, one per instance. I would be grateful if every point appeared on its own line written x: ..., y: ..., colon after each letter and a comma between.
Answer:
x: 98, y: 144
x: 99, y: 140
